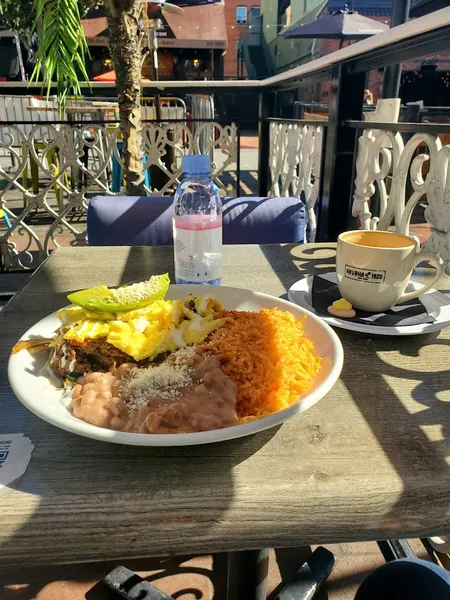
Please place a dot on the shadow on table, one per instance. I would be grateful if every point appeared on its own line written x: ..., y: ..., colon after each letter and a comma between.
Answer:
x: 142, y: 474
x: 122, y: 495
x: 127, y: 493
x: 419, y: 455
x: 417, y: 441
x: 308, y: 259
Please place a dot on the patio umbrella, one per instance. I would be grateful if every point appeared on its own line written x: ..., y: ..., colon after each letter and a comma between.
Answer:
x: 424, y: 7
x: 111, y: 76
x: 341, y: 25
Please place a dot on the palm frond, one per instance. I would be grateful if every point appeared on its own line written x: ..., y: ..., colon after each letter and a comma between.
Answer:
x: 62, y: 47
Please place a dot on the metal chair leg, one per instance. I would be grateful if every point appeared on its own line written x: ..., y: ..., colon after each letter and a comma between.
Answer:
x: 310, y: 577
x: 128, y: 585
x: 247, y: 575
x: 395, y: 549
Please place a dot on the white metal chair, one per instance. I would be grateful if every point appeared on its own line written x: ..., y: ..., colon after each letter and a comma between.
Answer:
x: 385, y: 161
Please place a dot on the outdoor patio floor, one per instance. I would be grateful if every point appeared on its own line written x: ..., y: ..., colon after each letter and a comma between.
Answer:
x: 191, y: 578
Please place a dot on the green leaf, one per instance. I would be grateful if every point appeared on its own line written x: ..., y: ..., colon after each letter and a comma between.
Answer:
x: 61, y: 49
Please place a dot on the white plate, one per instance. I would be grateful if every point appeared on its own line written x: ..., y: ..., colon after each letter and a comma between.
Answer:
x: 436, y: 303
x: 42, y: 398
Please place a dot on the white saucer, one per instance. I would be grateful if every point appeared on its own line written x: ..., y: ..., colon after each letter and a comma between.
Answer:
x: 436, y: 303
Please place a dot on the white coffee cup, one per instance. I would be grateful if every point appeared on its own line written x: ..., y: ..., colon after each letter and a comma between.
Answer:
x: 374, y: 267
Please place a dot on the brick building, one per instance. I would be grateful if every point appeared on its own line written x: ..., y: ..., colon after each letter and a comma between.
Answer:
x: 191, y: 45
x: 238, y: 14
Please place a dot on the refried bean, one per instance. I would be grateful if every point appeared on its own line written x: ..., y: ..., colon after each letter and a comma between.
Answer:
x: 185, y: 394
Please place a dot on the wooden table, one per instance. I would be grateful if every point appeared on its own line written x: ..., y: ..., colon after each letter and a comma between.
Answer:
x: 370, y: 461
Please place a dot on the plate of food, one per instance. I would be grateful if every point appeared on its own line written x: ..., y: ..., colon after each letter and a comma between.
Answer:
x: 154, y: 364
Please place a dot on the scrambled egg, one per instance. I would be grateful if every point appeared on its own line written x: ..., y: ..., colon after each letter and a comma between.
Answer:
x: 164, y: 325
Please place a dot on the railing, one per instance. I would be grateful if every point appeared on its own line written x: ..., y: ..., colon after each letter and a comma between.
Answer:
x: 295, y: 163
x: 316, y: 161
x: 72, y: 162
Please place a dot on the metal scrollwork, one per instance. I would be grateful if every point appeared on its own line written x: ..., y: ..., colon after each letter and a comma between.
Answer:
x: 295, y: 157
x: 405, y: 174
x: 49, y: 172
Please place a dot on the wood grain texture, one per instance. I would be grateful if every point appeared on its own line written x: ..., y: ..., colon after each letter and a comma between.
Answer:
x: 369, y: 461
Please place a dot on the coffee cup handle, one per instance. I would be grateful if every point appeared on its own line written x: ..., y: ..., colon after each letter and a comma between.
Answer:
x: 434, y: 259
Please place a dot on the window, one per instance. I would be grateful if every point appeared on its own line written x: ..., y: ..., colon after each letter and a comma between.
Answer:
x: 255, y: 11
x: 241, y: 14
x: 284, y: 14
x: 286, y: 17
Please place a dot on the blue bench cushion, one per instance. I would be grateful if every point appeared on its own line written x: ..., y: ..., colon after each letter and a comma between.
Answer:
x: 147, y: 221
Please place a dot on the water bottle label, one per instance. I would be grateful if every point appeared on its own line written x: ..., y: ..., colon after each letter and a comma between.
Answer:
x: 198, y: 252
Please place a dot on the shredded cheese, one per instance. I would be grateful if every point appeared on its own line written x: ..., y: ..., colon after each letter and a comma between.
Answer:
x: 165, y: 381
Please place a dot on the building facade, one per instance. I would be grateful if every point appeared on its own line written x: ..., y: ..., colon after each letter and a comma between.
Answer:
x: 427, y: 80
x: 191, y: 45
x: 239, y: 16
x: 278, y: 15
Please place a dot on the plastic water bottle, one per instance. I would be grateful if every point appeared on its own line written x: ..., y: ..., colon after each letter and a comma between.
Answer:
x: 197, y: 224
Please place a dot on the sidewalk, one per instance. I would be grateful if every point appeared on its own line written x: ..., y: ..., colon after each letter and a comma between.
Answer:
x: 249, y: 142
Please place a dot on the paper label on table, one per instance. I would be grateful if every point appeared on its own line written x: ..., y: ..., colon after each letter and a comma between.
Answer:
x: 15, y: 454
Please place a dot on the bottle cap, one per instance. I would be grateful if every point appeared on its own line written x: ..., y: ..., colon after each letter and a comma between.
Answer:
x: 197, y: 164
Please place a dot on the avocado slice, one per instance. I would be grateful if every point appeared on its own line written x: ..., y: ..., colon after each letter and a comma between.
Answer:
x: 128, y: 297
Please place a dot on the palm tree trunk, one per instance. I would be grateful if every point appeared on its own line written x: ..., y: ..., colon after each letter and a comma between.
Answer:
x: 125, y: 44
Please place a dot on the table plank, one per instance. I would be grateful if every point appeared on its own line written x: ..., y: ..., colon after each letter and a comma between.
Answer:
x: 370, y: 461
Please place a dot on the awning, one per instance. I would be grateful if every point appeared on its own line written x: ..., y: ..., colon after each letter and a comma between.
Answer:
x: 110, y: 76
x: 424, y: 7
x: 184, y: 3
x: 93, y: 27
x: 198, y: 27
x: 339, y: 25
x: 96, y: 31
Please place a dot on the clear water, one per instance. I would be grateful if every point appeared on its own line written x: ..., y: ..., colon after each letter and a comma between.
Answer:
x: 212, y: 282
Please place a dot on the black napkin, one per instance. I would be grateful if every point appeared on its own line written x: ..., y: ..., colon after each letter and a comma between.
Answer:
x: 413, y: 312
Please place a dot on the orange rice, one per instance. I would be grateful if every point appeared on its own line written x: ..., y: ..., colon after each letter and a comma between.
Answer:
x: 267, y: 355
